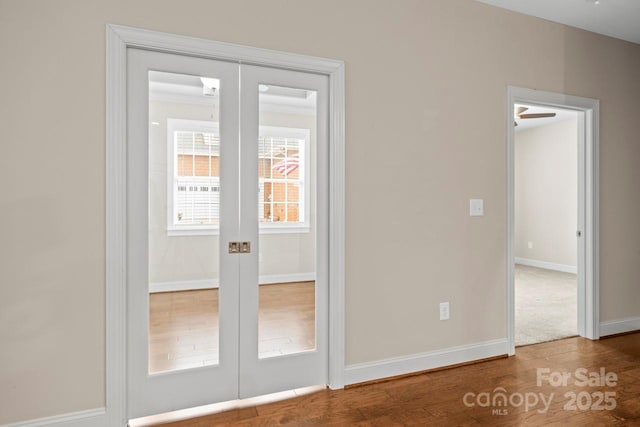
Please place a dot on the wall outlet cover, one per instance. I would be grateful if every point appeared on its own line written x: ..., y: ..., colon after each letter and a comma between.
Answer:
x: 476, y: 207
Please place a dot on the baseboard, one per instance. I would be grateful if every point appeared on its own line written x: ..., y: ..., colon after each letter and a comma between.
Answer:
x: 547, y: 265
x: 184, y: 285
x: 620, y: 326
x: 287, y: 278
x: 369, y: 371
x: 190, y: 285
x: 89, y: 418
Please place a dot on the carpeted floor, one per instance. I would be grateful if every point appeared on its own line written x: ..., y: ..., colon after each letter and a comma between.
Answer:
x: 546, y: 305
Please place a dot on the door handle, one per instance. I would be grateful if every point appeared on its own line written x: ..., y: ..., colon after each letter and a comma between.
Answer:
x: 239, y: 247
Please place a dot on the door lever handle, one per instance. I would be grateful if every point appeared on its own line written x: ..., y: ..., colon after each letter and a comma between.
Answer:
x: 239, y: 247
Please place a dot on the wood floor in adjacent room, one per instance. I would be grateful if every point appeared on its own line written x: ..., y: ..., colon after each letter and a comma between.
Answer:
x: 436, y: 398
x: 183, y: 326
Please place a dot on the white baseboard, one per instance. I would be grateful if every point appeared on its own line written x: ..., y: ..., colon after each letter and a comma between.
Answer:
x: 619, y: 326
x: 385, y: 368
x: 89, y: 418
x: 190, y: 285
x: 287, y: 278
x: 547, y: 265
x: 184, y: 285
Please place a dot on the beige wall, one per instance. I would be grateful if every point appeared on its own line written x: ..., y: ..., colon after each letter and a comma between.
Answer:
x: 546, y: 193
x: 187, y: 258
x: 425, y: 103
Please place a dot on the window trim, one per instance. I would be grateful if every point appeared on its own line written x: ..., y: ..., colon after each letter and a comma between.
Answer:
x: 188, y: 125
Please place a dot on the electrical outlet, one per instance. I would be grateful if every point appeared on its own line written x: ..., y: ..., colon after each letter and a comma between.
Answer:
x: 444, y: 311
x: 476, y: 207
x: 530, y: 245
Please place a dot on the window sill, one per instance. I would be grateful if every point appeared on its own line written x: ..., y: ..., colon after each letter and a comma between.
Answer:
x: 284, y: 229
x: 265, y: 229
x: 177, y: 232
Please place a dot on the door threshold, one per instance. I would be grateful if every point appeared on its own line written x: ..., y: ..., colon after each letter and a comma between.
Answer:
x: 548, y: 341
x: 214, y: 408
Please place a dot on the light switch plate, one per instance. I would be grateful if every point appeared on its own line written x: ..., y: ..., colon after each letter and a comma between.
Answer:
x: 444, y: 311
x: 476, y: 207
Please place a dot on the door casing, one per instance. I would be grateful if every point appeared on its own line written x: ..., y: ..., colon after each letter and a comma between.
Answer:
x: 119, y: 39
x: 588, y: 131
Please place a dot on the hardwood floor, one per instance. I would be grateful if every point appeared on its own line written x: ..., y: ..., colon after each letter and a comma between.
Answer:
x: 437, y: 398
x: 183, y: 326
x: 286, y: 319
x: 183, y: 330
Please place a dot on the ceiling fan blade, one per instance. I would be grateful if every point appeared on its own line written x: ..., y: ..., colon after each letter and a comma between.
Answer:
x: 520, y: 110
x: 536, y: 115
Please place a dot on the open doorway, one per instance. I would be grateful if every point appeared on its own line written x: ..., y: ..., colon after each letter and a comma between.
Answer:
x: 546, y: 220
x: 585, y: 234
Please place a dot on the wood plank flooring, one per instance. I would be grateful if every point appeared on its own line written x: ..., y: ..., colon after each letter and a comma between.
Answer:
x: 286, y: 318
x: 183, y: 326
x: 436, y: 398
x: 183, y: 330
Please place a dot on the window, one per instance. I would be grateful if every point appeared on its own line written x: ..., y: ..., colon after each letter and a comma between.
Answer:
x: 193, y: 196
x: 282, y: 162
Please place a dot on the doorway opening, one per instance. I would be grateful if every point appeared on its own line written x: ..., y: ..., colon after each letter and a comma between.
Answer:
x: 546, y: 220
x: 552, y: 247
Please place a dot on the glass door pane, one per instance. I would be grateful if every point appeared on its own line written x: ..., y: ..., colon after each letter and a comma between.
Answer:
x: 286, y: 215
x: 184, y: 220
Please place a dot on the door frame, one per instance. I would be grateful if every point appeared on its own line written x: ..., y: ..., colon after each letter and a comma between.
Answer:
x: 119, y: 39
x: 588, y: 204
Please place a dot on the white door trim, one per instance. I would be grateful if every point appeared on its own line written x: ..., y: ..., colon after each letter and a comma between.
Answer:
x: 588, y: 133
x: 119, y: 38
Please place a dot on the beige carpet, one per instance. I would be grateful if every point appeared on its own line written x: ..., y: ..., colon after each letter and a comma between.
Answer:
x: 546, y: 305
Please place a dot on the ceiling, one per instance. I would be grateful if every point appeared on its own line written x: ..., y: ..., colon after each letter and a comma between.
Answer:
x: 170, y: 87
x: 615, y: 18
x: 561, y: 115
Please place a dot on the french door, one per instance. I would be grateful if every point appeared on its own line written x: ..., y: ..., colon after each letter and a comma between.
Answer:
x: 227, y: 231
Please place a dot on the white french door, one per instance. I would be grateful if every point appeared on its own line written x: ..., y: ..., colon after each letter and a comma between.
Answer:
x: 227, y: 180
x: 304, y: 361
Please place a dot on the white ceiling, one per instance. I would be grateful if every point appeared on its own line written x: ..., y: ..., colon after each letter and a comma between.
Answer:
x: 615, y: 18
x: 180, y: 88
x: 561, y: 115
